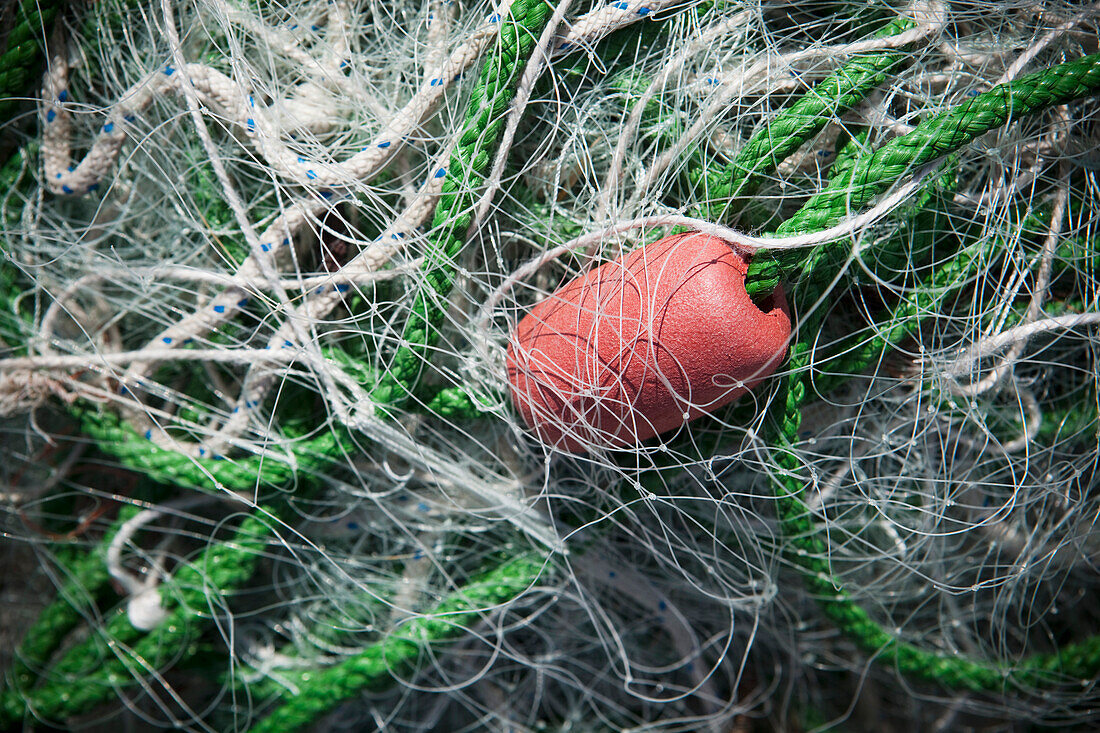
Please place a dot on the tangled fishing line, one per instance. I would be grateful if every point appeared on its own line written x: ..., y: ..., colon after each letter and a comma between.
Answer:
x: 264, y: 467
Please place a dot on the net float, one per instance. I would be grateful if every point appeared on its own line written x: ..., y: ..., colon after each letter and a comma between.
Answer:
x: 644, y: 344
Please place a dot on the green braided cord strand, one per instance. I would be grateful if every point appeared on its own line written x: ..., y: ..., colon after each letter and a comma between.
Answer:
x: 850, y: 148
x: 22, y: 55
x: 86, y: 578
x: 13, y: 181
x: 455, y: 403
x: 122, y: 441
x: 933, y: 138
x: 905, y: 317
x: 466, y: 169
x: 320, y: 691
x: 771, y: 144
x: 93, y: 670
x: 806, y: 548
x: 945, y: 133
x: 807, y: 544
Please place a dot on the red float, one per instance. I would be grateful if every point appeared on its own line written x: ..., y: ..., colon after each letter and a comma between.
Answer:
x: 643, y: 344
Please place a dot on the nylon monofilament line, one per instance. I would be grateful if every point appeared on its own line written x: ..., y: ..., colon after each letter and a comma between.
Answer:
x: 520, y: 365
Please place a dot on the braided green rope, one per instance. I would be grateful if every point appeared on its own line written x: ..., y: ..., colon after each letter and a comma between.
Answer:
x: 93, y: 670
x: 774, y: 142
x: 454, y: 403
x: 932, y: 139
x: 86, y: 578
x: 806, y: 548
x: 117, y: 438
x: 467, y: 168
x: 22, y: 53
x: 320, y: 691
x: 806, y: 541
x: 904, y: 318
x: 927, y: 298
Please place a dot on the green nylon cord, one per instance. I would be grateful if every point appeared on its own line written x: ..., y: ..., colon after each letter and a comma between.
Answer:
x: 856, y: 354
x: 773, y: 143
x: 454, y: 403
x: 320, y: 691
x: 93, y: 670
x: 904, y: 318
x: 122, y: 441
x: 807, y: 545
x: 467, y: 168
x: 21, y: 54
x: 85, y: 579
x: 807, y: 549
x: 932, y: 139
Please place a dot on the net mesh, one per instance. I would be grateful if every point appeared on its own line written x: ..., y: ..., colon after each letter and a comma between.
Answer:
x: 242, y: 475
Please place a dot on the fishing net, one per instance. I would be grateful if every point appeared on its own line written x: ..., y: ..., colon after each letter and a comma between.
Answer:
x: 263, y: 464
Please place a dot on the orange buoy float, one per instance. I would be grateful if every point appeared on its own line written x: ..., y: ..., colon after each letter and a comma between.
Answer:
x: 643, y: 344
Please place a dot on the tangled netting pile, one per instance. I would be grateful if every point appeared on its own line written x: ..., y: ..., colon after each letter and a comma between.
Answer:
x: 261, y: 465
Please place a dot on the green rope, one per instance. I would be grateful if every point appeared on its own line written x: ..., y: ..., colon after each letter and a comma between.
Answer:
x: 117, y: 438
x: 317, y: 692
x: 86, y: 578
x: 806, y: 548
x: 774, y: 142
x: 120, y: 654
x: 23, y: 52
x: 455, y: 403
x: 806, y: 542
x: 932, y: 139
x: 467, y: 168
